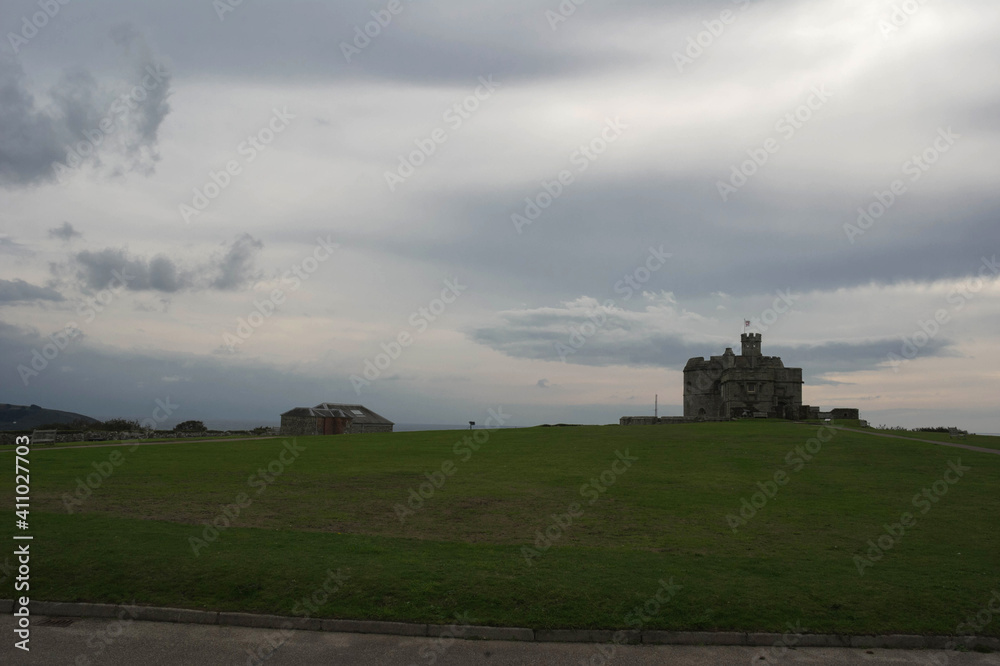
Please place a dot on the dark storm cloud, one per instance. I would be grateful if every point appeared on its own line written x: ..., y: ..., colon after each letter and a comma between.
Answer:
x: 82, y: 120
x: 601, y: 230
x: 105, y: 382
x: 130, y: 383
x: 426, y: 43
x: 578, y: 334
x: 9, y: 246
x: 30, y: 140
x: 12, y: 291
x: 230, y: 270
x: 236, y: 266
x: 64, y: 231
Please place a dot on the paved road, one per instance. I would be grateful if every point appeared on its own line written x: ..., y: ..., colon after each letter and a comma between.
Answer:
x: 99, y: 642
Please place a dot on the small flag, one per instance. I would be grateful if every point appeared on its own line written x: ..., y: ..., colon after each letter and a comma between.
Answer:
x: 746, y: 322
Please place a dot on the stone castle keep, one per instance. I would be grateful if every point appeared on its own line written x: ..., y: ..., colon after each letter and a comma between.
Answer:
x: 748, y: 385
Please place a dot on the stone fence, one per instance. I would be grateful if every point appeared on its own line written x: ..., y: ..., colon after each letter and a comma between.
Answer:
x: 110, y: 436
x: 665, y: 420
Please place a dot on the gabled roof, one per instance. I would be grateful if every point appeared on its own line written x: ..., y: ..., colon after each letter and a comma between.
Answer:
x: 357, y: 413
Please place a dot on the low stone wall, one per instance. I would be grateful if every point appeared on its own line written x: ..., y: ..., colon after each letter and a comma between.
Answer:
x: 363, y: 428
x: 108, y: 436
x: 665, y: 420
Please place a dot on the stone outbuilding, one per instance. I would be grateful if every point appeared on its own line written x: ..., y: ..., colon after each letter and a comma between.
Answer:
x: 332, y: 419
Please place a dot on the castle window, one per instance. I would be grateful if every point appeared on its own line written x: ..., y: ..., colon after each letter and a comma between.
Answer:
x: 751, y: 388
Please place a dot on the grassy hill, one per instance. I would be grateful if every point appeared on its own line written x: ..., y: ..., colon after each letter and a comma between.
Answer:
x: 29, y: 417
x: 669, y: 508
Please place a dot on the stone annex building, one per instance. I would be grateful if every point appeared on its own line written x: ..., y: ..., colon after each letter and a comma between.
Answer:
x: 332, y: 419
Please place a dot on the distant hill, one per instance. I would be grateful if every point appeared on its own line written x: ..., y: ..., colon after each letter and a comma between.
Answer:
x: 21, y: 417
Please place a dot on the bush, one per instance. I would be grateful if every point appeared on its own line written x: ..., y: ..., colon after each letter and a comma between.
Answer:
x: 118, y: 425
x: 190, y: 426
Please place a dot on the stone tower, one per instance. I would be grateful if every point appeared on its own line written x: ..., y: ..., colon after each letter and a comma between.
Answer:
x: 751, y: 344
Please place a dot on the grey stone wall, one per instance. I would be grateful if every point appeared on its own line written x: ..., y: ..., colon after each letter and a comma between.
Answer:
x: 703, y: 387
x: 299, y: 426
x: 110, y: 436
x: 307, y: 426
x: 362, y: 428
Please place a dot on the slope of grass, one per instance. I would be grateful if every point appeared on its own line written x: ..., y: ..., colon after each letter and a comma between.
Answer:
x: 335, y: 505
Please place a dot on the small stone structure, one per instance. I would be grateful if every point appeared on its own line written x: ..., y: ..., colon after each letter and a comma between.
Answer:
x: 332, y: 419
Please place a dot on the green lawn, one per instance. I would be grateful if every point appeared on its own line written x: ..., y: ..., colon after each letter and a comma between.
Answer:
x: 984, y: 441
x: 664, y: 517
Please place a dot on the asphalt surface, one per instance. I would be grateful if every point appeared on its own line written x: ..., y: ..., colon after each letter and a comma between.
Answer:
x: 100, y: 642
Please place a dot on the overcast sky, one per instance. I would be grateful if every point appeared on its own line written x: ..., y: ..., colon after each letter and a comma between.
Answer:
x: 240, y: 208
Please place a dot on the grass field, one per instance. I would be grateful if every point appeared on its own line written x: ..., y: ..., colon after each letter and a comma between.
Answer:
x: 330, y: 507
x: 985, y: 441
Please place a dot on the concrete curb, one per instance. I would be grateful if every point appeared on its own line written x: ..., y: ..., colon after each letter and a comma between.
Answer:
x: 481, y: 633
x: 153, y: 614
x: 623, y: 636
